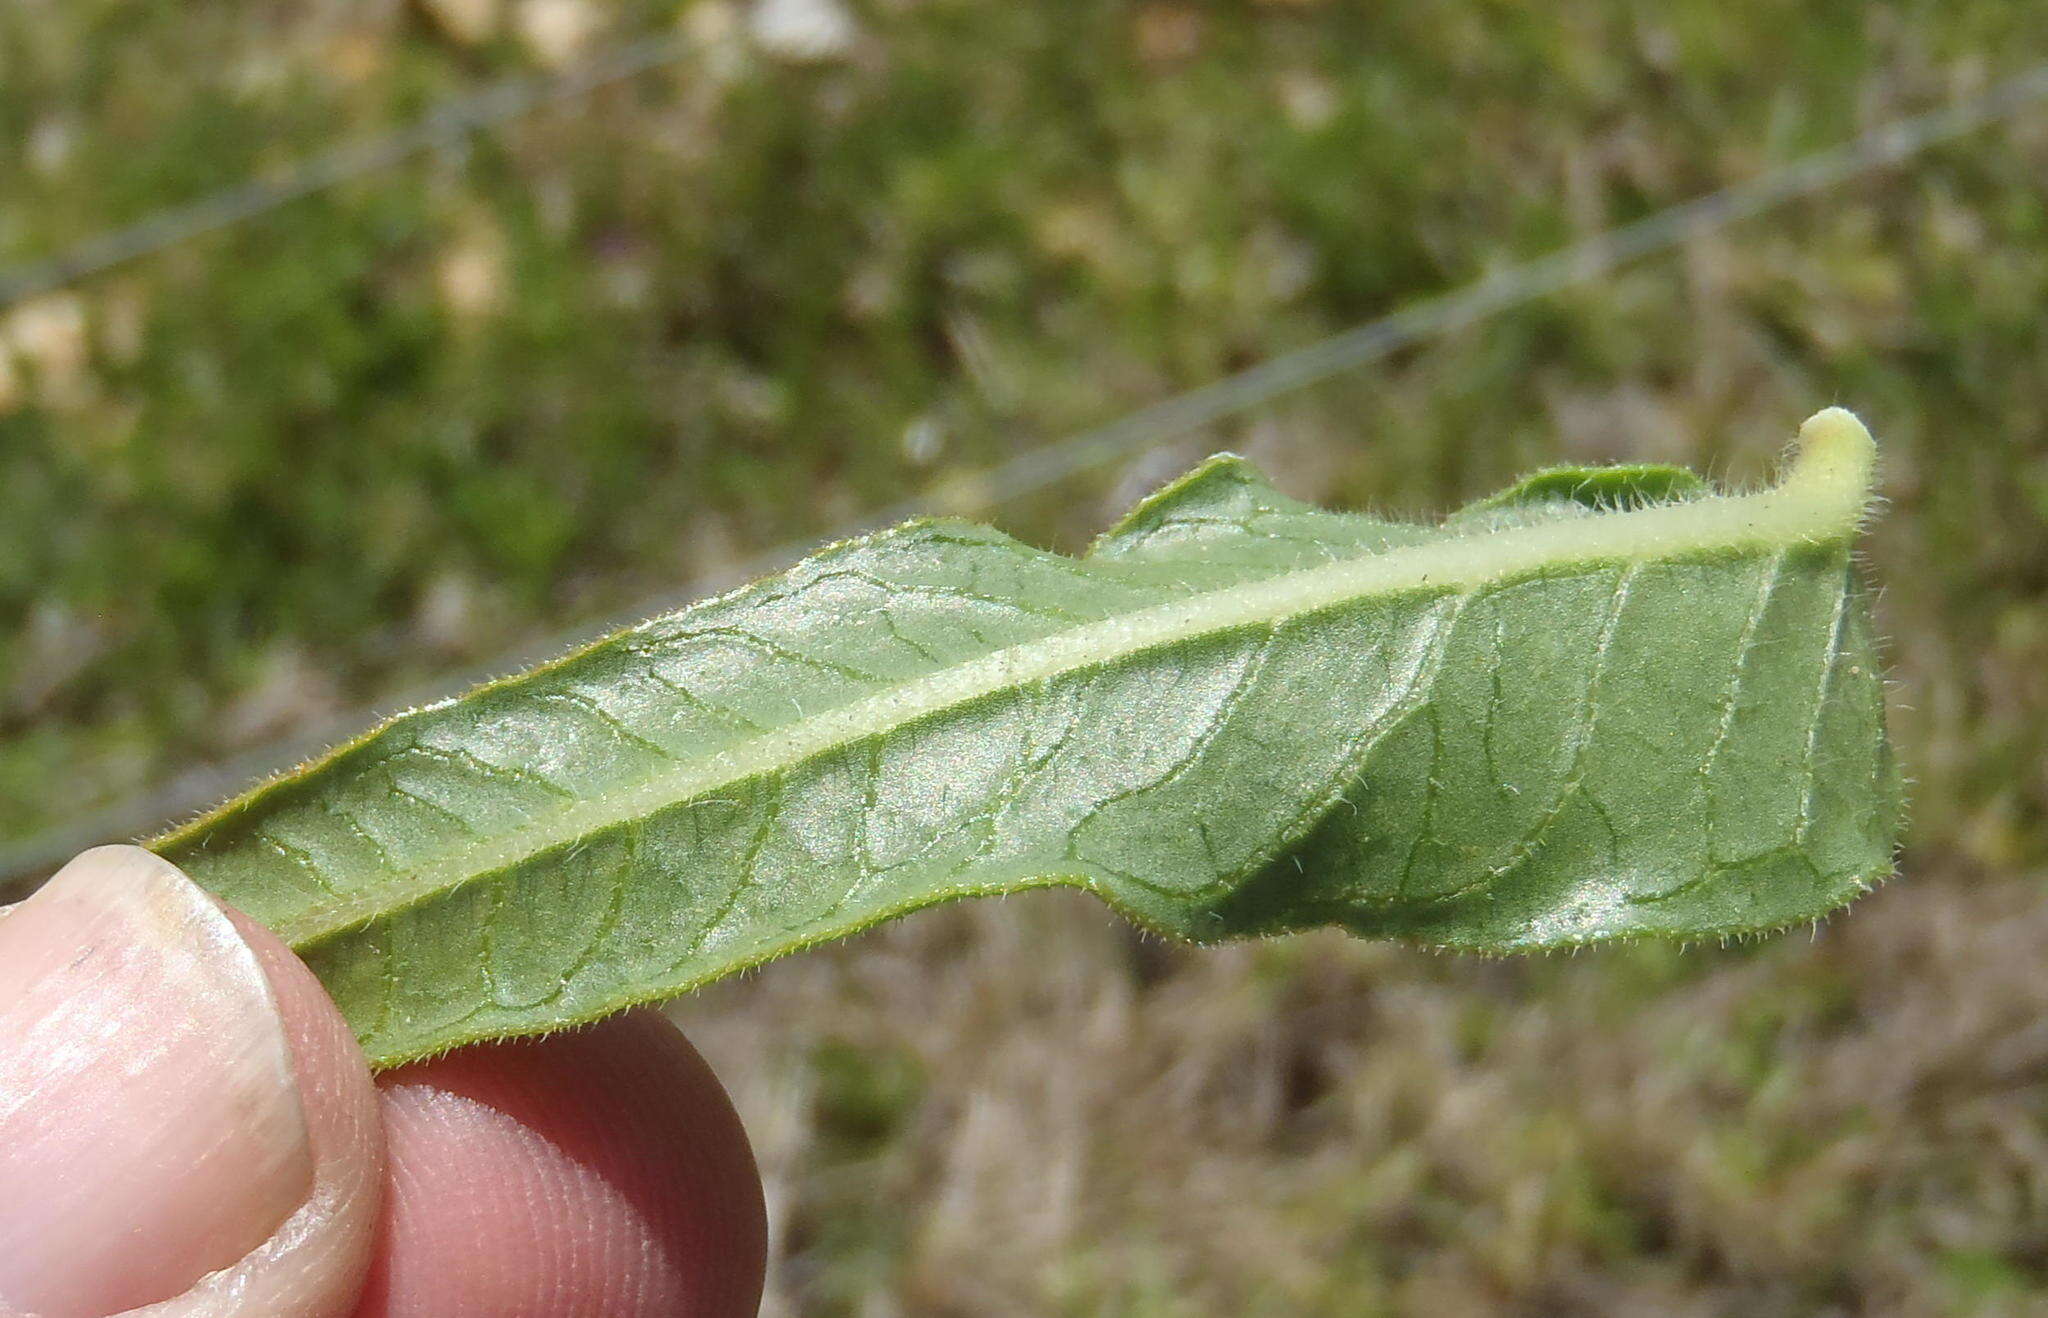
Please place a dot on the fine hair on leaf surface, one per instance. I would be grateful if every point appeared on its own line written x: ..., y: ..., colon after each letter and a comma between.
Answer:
x: 1605, y: 703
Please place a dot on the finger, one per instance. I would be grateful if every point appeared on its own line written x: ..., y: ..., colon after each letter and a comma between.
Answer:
x: 600, y: 1173
x: 186, y: 1125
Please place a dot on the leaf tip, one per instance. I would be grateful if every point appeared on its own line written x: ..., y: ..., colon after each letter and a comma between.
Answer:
x: 1835, y: 459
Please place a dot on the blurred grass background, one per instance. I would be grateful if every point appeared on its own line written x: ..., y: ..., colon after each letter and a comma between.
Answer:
x: 830, y: 257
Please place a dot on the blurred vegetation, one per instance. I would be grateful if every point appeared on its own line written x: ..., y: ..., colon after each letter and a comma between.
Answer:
x: 390, y: 430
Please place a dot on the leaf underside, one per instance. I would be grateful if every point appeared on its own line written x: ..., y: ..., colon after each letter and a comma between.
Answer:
x: 1606, y: 703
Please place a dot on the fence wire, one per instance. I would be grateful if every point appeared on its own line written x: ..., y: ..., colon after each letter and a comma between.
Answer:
x: 1040, y: 467
x: 446, y: 126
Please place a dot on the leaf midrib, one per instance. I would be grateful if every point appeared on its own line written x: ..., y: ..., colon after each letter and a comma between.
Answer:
x: 1818, y: 502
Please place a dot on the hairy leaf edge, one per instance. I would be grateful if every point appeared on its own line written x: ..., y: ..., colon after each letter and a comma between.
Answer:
x: 1820, y: 501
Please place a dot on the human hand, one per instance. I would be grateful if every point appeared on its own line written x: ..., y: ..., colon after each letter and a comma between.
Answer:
x: 188, y: 1130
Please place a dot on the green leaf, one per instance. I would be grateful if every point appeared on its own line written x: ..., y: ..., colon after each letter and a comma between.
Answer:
x: 1606, y: 704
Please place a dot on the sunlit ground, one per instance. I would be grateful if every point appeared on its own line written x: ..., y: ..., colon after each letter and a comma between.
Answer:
x: 275, y: 475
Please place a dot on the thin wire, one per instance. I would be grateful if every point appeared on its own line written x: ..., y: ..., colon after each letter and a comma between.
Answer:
x: 444, y: 126
x: 1579, y: 263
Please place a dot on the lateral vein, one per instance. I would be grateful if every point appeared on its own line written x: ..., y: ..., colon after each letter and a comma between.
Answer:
x: 1819, y: 500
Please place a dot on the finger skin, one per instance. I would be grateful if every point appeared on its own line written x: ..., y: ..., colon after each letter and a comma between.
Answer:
x: 599, y: 1173
x: 316, y: 1211
x: 314, y: 1266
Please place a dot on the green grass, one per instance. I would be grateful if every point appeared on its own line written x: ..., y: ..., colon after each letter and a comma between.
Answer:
x: 389, y: 431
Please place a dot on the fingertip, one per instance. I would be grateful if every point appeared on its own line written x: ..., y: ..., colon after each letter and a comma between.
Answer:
x: 183, y: 1116
x: 601, y: 1172
x: 319, y: 1258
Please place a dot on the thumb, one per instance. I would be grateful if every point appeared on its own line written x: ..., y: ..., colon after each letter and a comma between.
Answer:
x: 187, y: 1128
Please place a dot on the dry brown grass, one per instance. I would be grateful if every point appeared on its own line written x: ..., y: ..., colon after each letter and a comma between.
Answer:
x: 1023, y: 1108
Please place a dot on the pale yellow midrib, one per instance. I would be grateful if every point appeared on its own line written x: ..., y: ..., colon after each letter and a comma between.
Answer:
x: 1820, y: 500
